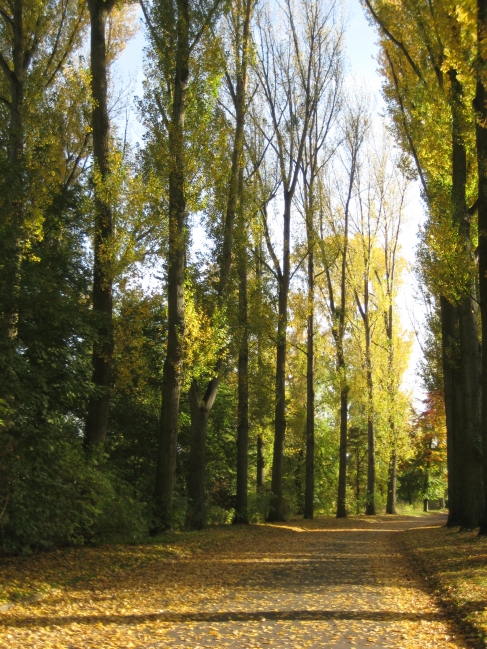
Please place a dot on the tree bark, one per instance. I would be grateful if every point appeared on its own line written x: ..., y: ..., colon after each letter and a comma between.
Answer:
x: 481, y: 140
x: 310, y: 388
x: 241, y: 506
x: 451, y: 382
x: 235, y: 197
x: 199, y: 410
x: 98, y: 409
x: 260, y: 465
x: 391, y: 485
x: 276, y: 512
x: 370, y: 508
x: 392, y: 477
x: 470, y: 354
x: 177, y: 243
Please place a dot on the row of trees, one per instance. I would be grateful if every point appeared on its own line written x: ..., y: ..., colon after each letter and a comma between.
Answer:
x: 268, y: 209
x: 433, y: 64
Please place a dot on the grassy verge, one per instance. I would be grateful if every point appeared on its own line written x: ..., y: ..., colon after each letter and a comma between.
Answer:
x: 455, y: 565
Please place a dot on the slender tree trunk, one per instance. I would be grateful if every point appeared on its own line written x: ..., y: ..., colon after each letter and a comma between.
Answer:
x: 276, y: 512
x: 341, y: 366
x: 98, y: 409
x: 449, y: 337
x: 172, y: 370
x: 370, y: 509
x: 391, y: 485
x: 470, y: 353
x: 260, y: 465
x: 200, y: 409
x: 196, y: 468
x: 392, y: 477
x: 260, y: 477
x: 234, y: 199
x: 241, y: 506
x: 357, y: 485
x: 481, y: 138
x: 310, y: 389
x: 342, y: 467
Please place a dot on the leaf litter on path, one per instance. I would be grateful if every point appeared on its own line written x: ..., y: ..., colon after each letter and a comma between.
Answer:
x: 323, y: 583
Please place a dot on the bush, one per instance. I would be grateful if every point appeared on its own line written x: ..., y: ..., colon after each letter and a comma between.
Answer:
x: 57, y: 497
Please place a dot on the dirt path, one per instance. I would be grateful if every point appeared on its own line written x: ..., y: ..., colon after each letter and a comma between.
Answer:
x: 315, y: 584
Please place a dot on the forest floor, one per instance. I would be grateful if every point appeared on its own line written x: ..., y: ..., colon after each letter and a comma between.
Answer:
x: 361, y: 582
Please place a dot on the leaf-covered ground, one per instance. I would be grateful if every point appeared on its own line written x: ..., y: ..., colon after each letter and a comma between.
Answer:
x: 324, y: 583
x: 455, y: 564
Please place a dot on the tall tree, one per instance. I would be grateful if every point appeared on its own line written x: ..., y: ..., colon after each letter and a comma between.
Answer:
x: 175, y: 30
x: 35, y: 43
x: 292, y: 69
x: 334, y: 257
x: 202, y: 401
x: 428, y: 65
x: 317, y: 154
x: 97, y: 419
x: 481, y: 141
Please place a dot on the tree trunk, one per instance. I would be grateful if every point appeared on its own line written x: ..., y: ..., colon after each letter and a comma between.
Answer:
x: 370, y: 509
x: 260, y: 465
x: 235, y: 197
x: 97, y: 419
x: 199, y: 410
x: 470, y: 353
x: 241, y: 506
x: 425, y: 505
x: 451, y: 382
x: 342, y: 469
x: 276, y: 512
x: 341, y: 367
x: 357, y: 484
x: 391, y: 485
x: 173, y: 363
x: 310, y: 390
x: 481, y: 139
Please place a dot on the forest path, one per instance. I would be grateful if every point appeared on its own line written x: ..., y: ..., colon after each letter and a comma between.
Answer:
x: 323, y: 583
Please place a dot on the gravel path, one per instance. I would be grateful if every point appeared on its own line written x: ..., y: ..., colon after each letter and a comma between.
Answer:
x: 312, y: 584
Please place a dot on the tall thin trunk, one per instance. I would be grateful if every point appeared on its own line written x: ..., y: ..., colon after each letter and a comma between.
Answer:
x: 200, y: 408
x: 470, y: 353
x: 339, y: 335
x: 172, y: 370
x: 310, y: 388
x: 392, y: 484
x: 481, y: 138
x: 98, y: 409
x: 260, y: 481
x: 357, y: 486
x: 370, y: 509
x: 276, y: 512
x: 392, y: 476
x: 451, y: 381
x: 241, y: 505
x: 260, y: 477
x: 234, y: 198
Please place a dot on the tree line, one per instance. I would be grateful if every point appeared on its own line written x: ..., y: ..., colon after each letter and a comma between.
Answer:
x: 204, y: 326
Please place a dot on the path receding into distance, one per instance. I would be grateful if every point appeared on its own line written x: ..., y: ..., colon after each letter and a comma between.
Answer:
x: 322, y: 583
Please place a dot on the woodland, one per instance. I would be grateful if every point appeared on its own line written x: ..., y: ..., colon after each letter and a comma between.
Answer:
x: 203, y: 326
